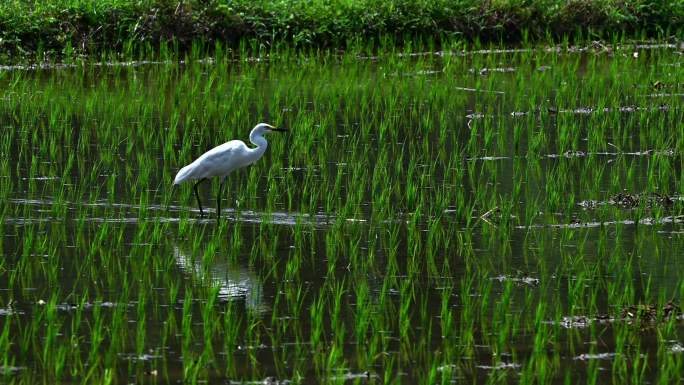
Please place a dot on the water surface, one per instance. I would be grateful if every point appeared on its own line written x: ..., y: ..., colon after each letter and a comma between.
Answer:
x: 494, y: 216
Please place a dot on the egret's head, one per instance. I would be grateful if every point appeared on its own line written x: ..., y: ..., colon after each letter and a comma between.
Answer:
x: 263, y: 128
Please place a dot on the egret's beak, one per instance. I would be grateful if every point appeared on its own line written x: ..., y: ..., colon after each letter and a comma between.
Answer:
x: 279, y: 129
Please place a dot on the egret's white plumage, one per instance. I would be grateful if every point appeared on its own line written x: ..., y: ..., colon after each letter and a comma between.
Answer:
x: 224, y: 159
x: 219, y: 161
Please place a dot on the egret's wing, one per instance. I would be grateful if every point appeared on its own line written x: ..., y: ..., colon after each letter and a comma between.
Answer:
x: 218, y: 161
x: 225, y: 158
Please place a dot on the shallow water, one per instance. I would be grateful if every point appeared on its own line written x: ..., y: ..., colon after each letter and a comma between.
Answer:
x: 501, y: 216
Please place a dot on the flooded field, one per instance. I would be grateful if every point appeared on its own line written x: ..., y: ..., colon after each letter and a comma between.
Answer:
x: 490, y: 216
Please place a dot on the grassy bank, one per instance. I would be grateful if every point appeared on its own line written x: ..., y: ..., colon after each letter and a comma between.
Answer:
x: 28, y: 26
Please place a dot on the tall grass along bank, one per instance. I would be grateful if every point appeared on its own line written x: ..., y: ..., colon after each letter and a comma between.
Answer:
x: 67, y: 26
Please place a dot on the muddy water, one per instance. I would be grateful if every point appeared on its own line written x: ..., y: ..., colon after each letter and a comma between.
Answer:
x: 564, y: 264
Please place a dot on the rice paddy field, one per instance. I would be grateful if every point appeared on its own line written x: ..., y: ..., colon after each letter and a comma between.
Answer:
x: 486, y: 215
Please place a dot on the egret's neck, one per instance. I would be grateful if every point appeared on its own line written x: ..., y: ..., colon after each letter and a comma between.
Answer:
x: 260, y: 142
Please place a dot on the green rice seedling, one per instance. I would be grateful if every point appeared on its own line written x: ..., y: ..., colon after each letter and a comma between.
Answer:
x: 497, y: 197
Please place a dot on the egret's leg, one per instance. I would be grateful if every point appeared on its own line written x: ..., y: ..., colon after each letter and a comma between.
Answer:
x: 218, y: 198
x: 199, y: 203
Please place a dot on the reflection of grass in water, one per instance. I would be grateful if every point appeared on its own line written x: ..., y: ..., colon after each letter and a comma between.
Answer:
x: 373, y: 230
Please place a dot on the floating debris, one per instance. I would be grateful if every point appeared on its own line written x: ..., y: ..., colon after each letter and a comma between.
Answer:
x: 524, y: 280
x: 595, y: 356
x: 353, y: 376
x: 475, y: 115
x: 428, y: 72
x: 8, y: 370
x: 624, y: 200
x: 656, y: 199
x: 581, y: 322
x: 478, y: 90
x: 588, y: 110
x: 651, y: 312
x: 569, y: 154
x: 139, y: 357
x: 520, y: 113
x: 485, y: 71
x: 9, y: 310
x: 270, y: 380
x: 500, y: 366
x: 664, y: 95
x: 68, y: 307
x: 648, y: 313
x: 628, y: 200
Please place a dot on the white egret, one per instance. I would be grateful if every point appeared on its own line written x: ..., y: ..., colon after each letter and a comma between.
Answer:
x: 224, y: 159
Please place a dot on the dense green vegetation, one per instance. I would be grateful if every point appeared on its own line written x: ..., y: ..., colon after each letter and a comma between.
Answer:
x: 502, y: 216
x: 87, y: 25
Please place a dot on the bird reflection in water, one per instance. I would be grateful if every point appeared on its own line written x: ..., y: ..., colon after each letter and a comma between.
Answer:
x: 234, y: 281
